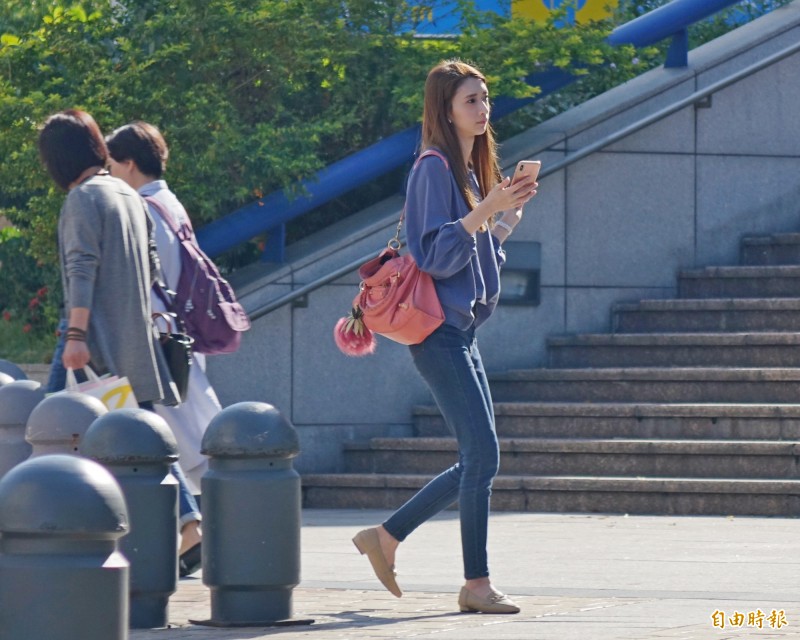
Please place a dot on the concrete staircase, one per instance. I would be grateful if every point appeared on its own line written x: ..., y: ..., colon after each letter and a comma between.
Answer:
x: 691, y: 406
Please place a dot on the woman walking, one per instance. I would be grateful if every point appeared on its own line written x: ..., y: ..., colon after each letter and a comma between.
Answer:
x: 138, y: 155
x: 103, y: 242
x: 459, y: 211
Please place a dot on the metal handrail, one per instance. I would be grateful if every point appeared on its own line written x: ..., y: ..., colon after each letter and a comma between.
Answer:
x: 666, y: 111
x: 311, y: 286
x: 558, y: 166
x: 670, y: 20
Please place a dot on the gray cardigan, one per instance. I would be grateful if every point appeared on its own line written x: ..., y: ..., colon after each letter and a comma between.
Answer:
x: 103, y: 231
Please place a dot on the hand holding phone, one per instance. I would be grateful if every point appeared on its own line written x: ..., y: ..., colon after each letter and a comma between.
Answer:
x: 527, y: 169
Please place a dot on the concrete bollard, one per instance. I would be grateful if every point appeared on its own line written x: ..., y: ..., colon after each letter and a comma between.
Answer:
x: 13, y: 370
x: 61, y: 575
x: 17, y: 400
x: 251, y: 509
x: 58, y: 423
x: 137, y: 447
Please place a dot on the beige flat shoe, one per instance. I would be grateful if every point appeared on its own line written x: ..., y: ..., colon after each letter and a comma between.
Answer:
x: 495, y: 603
x: 367, y: 542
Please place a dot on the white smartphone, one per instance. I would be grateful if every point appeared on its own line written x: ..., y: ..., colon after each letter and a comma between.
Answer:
x: 527, y: 168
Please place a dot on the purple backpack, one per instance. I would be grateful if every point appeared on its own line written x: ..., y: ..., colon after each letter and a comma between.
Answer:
x: 204, y: 300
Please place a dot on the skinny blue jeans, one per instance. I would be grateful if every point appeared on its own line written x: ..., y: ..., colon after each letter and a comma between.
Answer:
x: 57, y: 379
x: 450, y: 363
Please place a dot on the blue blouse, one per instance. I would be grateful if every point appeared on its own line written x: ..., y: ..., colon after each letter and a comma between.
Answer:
x: 465, y: 267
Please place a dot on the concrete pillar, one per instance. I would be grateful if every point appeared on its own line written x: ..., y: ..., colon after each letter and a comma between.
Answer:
x: 61, y: 574
x: 137, y: 447
x: 17, y: 400
x: 13, y: 370
x: 251, y: 509
x: 58, y: 423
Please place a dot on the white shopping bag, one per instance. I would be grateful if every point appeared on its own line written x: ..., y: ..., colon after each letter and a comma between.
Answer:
x: 112, y: 391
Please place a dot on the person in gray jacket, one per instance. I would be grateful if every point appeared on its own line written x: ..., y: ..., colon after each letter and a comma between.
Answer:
x: 103, y: 241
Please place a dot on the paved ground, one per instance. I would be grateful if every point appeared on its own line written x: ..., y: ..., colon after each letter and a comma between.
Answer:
x: 576, y: 577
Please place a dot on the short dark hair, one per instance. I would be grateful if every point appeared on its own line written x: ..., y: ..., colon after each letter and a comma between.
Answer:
x: 142, y: 143
x: 69, y: 143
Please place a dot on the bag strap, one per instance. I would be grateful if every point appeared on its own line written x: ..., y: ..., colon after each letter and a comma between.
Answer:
x: 183, y: 232
x: 72, y: 381
x: 394, y: 243
x: 169, y: 318
x: 432, y: 152
x: 165, y: 295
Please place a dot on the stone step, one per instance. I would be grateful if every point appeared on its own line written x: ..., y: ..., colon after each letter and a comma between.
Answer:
x: 710, y: 315
x: 638, y: 385
x: 628, y: 420
x: 569, y: 457
x: 675, y: 350
x: 579, y: 494
x: 740, y: 282
x: 776, y: 249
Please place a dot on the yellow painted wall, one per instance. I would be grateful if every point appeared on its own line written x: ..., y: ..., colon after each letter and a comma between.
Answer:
x: 540, y: 9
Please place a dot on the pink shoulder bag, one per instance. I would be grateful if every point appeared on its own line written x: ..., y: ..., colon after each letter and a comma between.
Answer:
x: 395, y: 299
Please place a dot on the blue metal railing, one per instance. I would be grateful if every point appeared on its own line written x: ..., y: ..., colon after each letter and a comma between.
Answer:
x: 669, y: 20
x: 272, y: 212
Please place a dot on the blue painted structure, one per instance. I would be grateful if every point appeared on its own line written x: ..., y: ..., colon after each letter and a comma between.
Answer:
x: 445, y: 17
x: 669, y: 20
x: 271, y: 213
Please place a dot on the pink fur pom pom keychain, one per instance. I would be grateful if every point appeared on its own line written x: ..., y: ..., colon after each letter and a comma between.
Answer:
x: 352, y: 336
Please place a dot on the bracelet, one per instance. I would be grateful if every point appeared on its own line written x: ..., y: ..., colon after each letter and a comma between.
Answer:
x: 504, y: 225
x: 76, y: 334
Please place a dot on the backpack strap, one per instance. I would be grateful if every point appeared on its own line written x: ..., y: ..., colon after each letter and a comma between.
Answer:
x: 394, y: 243
x: 164, y: 294
x: 182, y: 232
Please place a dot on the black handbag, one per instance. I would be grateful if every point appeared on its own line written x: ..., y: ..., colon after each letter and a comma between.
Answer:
x: 177, y: 350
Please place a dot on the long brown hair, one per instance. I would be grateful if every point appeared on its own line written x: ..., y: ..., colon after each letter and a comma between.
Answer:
x: 440, y: 87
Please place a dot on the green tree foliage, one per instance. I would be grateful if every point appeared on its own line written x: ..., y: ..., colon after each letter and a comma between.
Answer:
x: 252, y: 95
x: 605, y: 77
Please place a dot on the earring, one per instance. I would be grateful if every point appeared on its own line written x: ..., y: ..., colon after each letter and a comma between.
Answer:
x: 450, y: 121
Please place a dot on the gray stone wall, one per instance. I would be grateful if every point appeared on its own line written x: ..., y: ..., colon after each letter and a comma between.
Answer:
x: 616, y: 226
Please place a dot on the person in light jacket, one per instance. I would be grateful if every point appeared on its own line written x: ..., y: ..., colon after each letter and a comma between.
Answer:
x: 138, y: 155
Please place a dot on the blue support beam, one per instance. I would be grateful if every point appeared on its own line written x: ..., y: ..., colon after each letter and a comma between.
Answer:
x: 278, y: 208
x: 678, y: 52
x: 275, y: 247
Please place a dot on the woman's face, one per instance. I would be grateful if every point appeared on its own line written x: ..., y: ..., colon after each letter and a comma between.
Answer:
x: 121, y: 170
x: 469, y: 112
